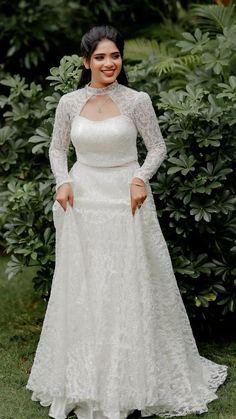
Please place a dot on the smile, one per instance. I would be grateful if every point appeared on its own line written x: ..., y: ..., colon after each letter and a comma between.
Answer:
x: 108, y: 72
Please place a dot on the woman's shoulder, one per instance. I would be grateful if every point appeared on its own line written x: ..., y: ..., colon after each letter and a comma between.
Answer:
x: 74, y: 95
x: 135, y: 95
x: 70, y: 102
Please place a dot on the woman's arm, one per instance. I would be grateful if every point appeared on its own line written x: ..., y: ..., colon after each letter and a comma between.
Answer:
x: 59, y: 145
x: 148, y: 127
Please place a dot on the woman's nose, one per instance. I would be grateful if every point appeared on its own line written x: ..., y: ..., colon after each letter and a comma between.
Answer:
x: 108, y: 62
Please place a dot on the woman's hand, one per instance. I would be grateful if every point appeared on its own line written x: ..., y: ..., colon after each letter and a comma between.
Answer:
x: 65, y: 194
x: 138, y: 194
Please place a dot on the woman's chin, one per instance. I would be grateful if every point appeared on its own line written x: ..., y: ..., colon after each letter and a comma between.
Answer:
x: 109, y: 79
x: 105, y: 80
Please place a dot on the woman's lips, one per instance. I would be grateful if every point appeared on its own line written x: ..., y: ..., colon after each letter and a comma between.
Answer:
x: 108, y: 73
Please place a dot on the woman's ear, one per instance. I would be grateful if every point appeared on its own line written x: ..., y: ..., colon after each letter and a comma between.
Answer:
x: 86, y: 63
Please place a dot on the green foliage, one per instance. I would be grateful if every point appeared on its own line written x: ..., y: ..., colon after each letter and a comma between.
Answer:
x: 213, y: 18
x: 34, y: 34
x: 26, y: 179
x: 37, y: 32
x: 30, y: 236
x: 160, y: 58
x: 195, y: 188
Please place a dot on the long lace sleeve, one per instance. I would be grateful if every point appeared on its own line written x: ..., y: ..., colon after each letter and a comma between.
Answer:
x: 148, y: 127
x: 59, y: 145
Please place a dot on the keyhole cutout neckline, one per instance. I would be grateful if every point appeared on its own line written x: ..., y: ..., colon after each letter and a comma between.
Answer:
x: 106, y: 109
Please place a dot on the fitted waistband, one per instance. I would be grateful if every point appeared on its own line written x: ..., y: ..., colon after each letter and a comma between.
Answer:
x: 130, y: 163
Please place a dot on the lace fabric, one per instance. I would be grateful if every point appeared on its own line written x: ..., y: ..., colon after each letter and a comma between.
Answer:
x: 135, y: 105
x: 116, y: 336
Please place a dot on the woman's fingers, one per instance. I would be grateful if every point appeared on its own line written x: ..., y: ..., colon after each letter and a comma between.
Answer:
x: 71, y: 200
x: 63, y: 203
x: 135, y: 206
x: 138, y: 196
x: 65, y: 195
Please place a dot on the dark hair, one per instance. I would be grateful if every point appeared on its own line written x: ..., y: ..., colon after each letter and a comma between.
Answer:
x: 89, y: 43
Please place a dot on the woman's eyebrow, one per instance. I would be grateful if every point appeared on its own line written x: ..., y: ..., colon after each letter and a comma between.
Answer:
x: 103, y: 53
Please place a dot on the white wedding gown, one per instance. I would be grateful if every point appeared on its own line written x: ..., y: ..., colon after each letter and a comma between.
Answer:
x: 116, y: 336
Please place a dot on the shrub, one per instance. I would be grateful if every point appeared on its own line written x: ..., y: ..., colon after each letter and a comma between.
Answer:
x: 195, y: 188
x: 27, y: 183
x: 34, y: 34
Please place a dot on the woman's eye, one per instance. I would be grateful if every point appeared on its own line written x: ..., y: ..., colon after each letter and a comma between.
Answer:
x: 101, y: 57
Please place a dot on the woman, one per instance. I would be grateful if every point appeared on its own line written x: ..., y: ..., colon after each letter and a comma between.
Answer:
x: 116, y: 337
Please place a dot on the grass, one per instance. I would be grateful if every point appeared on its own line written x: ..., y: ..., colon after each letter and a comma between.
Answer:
x: 21, y: 315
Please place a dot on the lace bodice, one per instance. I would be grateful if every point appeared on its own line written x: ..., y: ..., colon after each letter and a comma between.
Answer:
x: 109, y: 142
x: 138, y: 110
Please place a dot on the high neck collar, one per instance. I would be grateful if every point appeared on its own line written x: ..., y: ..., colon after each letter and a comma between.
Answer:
x: 101, y: 90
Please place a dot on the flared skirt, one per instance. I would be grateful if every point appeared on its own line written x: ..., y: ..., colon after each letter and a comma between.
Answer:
x: 116, y: 336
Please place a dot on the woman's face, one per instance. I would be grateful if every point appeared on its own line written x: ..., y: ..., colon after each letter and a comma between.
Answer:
x: 105, y: 64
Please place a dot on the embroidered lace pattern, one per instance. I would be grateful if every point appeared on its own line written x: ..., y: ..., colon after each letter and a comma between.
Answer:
x: 135, y: 105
